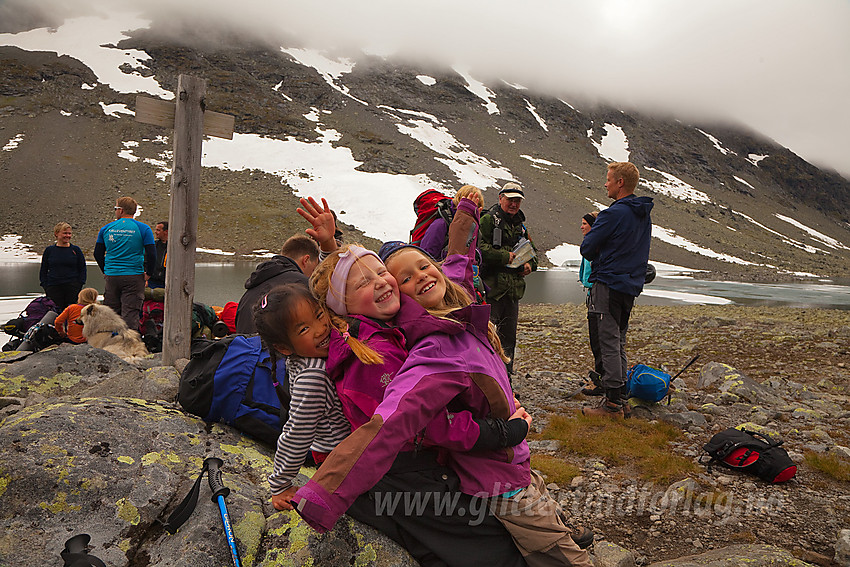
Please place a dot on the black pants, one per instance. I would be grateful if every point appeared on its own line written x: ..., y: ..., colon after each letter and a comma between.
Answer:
x: 63, y: 295
x: 612, y: 310
x: 462, y: 534
x: 504, y: 313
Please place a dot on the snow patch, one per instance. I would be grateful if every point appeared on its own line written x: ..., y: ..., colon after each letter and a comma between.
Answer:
x: 480, y: 90
x: 533, y: 110
x: 826, y: 240
x: 675, y: 187
x: 116, y: 110
x: 426, y: 80
x: 331, y: 70
x: 13, y: 143
x: 755, y: 158
x: 716, y: 143
x: 614, y: 145
x: 739, y: 180
x: 92, y: 40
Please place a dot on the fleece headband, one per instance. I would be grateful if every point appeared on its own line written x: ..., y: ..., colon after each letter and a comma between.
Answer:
x: 336, y: 292
x: 589, y: 218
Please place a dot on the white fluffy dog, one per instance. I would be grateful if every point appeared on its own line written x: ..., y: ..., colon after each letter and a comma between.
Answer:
x: 104, y: 328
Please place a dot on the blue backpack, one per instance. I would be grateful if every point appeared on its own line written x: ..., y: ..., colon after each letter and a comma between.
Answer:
x: 230, y: 380
x: 651, y: 384
x: 647, y: 383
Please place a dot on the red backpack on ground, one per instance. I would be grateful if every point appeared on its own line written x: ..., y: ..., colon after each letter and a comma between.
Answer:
x: 428, y: 205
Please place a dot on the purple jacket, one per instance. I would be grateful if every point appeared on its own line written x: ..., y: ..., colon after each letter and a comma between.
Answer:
x: 361, y: 387
x: 451, y: 365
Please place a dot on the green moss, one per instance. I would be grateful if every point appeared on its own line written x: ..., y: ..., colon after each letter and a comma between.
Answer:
x: 128, y: 512
x: 59, y: 504
x: 12, y: 386
x: 368, y: 554
x: 249, y: 530
x: 57, y: 382
x: 126, y: 459
x: 4, y: 483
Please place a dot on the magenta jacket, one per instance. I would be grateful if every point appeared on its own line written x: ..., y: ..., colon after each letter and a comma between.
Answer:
x: 361, y: 387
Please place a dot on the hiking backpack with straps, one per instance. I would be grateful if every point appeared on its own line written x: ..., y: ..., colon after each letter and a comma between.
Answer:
x: 751, y: 452
x: 428, y: 206
x: 230, y: 380
x: 35, y: 310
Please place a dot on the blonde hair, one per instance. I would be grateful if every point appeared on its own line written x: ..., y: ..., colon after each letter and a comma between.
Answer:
x: 457, y: 298
x: 469, y: 191
x: 87, y: 296
x: 626, y: 171
x: 60, y: 227
x: 320, y: 283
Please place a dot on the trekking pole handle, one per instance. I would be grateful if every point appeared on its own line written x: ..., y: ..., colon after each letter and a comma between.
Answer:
x: 213, y: 465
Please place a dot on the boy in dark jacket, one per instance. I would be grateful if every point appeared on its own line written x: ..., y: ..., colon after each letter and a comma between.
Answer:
x: 299, y: 255
x: 618, y: 247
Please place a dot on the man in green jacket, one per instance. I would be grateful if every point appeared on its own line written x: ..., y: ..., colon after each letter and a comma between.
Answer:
x: 502, y: 228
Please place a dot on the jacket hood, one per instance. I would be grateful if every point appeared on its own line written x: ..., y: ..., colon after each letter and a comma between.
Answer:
x: 275, y: 266
x: 640, y: 206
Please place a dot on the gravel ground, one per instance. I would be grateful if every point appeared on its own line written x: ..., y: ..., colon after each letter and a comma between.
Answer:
x: 800, y: 354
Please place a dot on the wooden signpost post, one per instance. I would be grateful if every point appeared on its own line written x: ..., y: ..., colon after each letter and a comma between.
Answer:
x: 190, y: 122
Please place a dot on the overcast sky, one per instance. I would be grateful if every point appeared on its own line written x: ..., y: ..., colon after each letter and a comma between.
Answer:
x: 781, y: 67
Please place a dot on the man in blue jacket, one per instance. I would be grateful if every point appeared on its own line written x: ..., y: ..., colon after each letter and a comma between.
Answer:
x: 124, y: 248
x: 618, y: 247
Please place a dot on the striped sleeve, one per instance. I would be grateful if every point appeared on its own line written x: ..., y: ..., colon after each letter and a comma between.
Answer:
x: 312, y: 396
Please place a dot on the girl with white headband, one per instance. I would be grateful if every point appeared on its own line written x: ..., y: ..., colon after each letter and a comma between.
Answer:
x: 366, y: 351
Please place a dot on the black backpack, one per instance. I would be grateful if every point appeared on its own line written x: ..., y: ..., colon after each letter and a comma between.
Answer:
x: 751, y: 452
x: 230, y: 380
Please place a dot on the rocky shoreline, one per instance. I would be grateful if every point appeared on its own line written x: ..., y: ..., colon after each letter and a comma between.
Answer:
x: 89, y: 443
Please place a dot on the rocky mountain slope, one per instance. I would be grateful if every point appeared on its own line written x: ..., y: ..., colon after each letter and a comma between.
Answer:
x: 66, y: 165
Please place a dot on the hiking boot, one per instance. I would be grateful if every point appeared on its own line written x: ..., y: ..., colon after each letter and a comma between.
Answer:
x: 593, y: 391
x: 605, y: 408
x: 582, y: 536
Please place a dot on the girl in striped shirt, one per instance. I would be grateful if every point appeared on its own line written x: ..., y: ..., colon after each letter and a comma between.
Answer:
x: 292, y: 323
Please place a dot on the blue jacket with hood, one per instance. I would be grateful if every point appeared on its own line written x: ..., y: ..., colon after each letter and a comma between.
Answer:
x: 618, y: 245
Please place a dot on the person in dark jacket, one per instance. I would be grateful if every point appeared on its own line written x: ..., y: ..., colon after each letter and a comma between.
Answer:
x: 502, y: 227
x: 156, y: 278
x: 299, y: 255
x: 618, y: 247
x: 63, y: 268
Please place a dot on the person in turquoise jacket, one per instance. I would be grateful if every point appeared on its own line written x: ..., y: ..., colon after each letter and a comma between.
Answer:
x: 595, y: 388
x: 125, y: 251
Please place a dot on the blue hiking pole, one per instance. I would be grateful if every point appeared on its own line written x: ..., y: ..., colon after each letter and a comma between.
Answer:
x: 213, y: 465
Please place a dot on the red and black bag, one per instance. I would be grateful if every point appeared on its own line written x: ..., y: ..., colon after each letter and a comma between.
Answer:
x: 752, y: 452
x: 428, y: 205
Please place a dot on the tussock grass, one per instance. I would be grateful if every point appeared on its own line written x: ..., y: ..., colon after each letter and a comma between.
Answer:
x: 829, y: 465
x: 635, y: 442
x: 554, y: 469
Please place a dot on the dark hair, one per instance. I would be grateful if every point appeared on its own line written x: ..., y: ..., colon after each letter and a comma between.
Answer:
x: 299, y: 245
x: 164, y: 224
x: 273, y: 312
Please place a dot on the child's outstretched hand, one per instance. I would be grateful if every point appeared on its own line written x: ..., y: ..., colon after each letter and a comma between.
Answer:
x: 322, y: 220
x: 281, y: 501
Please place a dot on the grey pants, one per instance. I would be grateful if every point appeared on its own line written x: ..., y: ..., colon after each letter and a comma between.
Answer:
x: 125, y: 295
x: 611, y: 309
